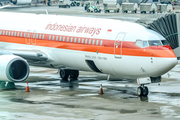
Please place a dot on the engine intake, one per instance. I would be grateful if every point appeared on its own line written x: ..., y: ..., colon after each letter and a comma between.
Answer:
x: 13, y: 68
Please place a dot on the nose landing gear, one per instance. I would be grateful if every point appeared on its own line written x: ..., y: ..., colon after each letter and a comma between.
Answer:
x: 142, y: 90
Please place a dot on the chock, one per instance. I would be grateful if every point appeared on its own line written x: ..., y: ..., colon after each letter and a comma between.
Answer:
x: 101, y: 90
x: 27, y: 88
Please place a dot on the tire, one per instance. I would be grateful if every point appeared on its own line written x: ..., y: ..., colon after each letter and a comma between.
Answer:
x: 145, y: 91
x: 49, y: 3
x: 95, y: 11
x: 10, y: 85
x: 74, y: 74
x: 78, y: 4
x: 64, y: 74
x: 117, y: 11
x: 88, y: 10
x: 139, y: 91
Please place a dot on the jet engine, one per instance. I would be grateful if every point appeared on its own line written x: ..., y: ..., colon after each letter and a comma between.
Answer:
x: 21, y: 2
x: 13, y: 68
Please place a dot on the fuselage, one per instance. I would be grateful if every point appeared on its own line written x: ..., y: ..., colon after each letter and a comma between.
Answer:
x: 126, y: 49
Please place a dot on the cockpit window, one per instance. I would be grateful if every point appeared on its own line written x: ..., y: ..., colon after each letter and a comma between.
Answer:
x: 164, y: 42
x: 154, y: 43
x: 141, y: 43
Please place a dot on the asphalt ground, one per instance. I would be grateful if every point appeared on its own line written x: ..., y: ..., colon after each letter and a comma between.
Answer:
x: 50, y: 98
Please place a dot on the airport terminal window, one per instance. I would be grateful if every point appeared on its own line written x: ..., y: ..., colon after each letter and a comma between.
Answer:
x: 36, y: 36
x: 67, y: 39
x: 164, y: 42
x: 49, y: 37
x: 43, y: 36
x: 86, y: 41
x: 60, y: 38
x: 24, y: 34
x: 82, y: 40
x: 71, y: 39
x: 39, y: 36
x: 53, y: 37
x: 9, y: 33
x: 138, y: 43
x: 101, y: 42
x: 75, y: 40
x: 154, y: 42
x: 78, y: 40
x: 56, y: 38
x: 3, y: 32
x: 6, y: 32
x: 12, y: 34
x: 97, y: 42
x: 93, y: 42
x: 89, y: 41
x: 18, y: 34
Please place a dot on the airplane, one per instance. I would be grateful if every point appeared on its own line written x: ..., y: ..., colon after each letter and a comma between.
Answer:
x: 16, y: 2
x: 71, y: 44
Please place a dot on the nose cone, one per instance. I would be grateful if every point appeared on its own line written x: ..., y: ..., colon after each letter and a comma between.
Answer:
x: 166, y: 64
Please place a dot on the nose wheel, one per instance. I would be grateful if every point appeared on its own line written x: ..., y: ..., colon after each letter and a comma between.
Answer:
x: 142, y: 90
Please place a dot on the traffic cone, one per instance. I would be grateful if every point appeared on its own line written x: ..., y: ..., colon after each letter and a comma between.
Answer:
x: 27, y: 88
x: 101, y: 90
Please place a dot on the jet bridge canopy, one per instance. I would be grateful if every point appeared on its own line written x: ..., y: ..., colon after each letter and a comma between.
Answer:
x: 168, y: 25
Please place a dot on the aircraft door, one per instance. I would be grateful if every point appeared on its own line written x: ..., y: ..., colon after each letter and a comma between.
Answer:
x: 28, y: 38
x: 34, y: 35
x: 118, y: 45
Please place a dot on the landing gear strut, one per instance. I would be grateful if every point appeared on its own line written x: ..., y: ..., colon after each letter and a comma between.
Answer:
x: 65, y: 74
x: 142, y: 90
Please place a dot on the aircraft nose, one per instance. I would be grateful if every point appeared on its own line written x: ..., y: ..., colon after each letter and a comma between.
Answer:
x: 166, y: 64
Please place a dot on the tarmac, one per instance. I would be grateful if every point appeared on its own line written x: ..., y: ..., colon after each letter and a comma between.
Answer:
x: 51, y: 98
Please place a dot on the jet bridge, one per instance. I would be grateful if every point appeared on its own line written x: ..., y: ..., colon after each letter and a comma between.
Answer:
x: 168, y: 25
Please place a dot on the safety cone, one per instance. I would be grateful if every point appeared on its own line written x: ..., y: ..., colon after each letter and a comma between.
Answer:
x: 101, y: 90
x: 27, y: 88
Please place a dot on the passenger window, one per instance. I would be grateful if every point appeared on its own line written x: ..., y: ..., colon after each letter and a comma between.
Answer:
x: 63, y: 38
x: 75, y: 40
x: 53, y: 37
x: 43, y: 36
x: 145, y: 44
x: 97, y: 42
x: 101, y: 42
x: 67, y: 39
x: 12, y: 34
x: 82, y: 40
x: 60, y: 38
x: 9, y: 33
x: 24, y: 34
x: 49, y: 37
x: 36, y: 36
x: 6, y: 32
x: 18, y: 34
x: 71, y: 39
x: 56, y: 38
x: 93, y: 42
x: 138, y: 43
x: 0, y: 32
x: 86, y: 41
x: 78, y: 40
x: 89, y: 41
x: 39, y: 36
x: 21, y: 34
x: 3, y: 32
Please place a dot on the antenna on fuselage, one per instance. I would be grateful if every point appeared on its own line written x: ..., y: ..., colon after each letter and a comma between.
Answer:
x: 46, y: 12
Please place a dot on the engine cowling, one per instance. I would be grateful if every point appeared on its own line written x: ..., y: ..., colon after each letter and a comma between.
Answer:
x: 13, y: 68
x: 21, y: 2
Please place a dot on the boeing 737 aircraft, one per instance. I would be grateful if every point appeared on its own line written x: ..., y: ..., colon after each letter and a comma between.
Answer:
x: 70, y: 44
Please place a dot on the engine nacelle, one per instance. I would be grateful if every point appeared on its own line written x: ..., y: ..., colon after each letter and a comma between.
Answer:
x: 21, y: 2
x: 13, y: 68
